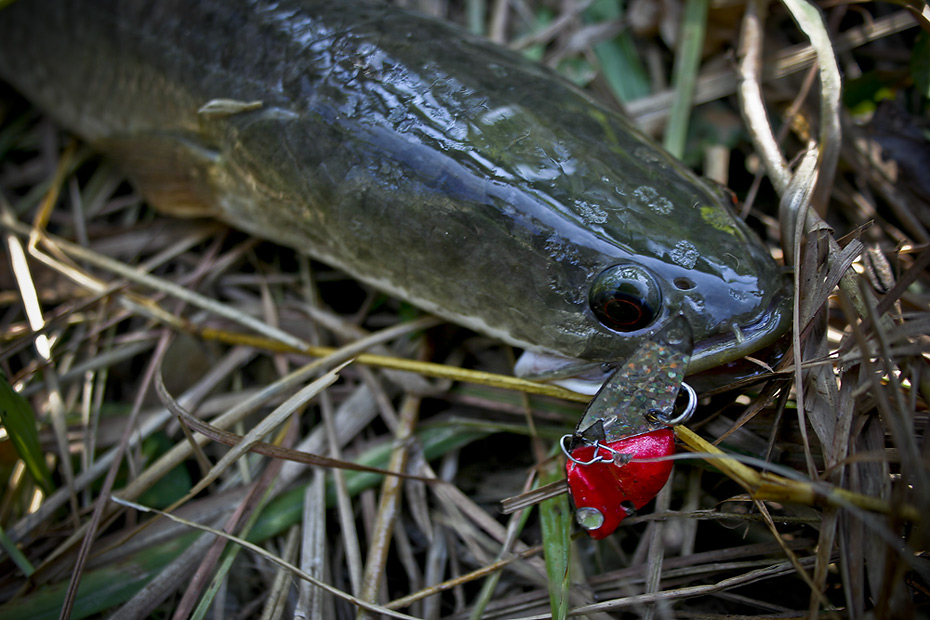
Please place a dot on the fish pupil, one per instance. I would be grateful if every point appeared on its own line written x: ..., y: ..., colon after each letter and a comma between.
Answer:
x: 627, y: 313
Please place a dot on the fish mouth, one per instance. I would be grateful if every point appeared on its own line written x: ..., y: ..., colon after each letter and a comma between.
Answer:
x: 587, y: 376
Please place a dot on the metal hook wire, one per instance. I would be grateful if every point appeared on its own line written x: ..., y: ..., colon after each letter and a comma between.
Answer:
x: 597, y: 458
x: 685, y: 415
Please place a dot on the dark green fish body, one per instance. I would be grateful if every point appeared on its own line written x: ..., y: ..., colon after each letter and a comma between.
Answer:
x: 429, y: 163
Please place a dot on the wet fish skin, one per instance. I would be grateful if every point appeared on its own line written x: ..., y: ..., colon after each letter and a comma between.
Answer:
x: 426, y: 162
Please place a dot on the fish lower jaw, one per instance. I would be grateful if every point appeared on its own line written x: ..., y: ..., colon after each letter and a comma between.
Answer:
x: 572, y: 374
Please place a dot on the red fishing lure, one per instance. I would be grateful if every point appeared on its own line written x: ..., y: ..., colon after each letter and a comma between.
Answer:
x: 611, y: 469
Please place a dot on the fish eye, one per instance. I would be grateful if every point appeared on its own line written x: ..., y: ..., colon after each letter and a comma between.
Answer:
x: 625, y: 298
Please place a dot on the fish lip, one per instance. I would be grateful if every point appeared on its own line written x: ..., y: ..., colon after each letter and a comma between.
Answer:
x: 587, y: 376
x: 722, y: 348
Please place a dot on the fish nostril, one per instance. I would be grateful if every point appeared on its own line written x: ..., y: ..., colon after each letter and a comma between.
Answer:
x: 684, y: 284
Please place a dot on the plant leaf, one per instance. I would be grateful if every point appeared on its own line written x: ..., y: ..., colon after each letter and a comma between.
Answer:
x: 555, y: 517
x: 19, y: 421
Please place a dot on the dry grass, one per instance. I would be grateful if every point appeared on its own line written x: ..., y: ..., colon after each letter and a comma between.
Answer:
x: 134, y: 321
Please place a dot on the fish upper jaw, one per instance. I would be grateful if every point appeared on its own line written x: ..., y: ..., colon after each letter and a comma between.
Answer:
x: 746, y: 338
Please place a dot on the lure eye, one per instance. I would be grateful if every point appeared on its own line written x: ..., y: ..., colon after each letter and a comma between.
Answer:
x: 625, y: 298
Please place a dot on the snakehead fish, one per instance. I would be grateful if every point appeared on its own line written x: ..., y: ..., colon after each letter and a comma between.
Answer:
x: 427, y: 162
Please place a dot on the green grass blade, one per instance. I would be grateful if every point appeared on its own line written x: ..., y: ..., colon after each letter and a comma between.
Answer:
x: 285, y: 510
x: 684, y: 74
x: 476, y: 11
x: 21, y: 561
x: 620, y: 63
x: 20, y: 423
x: 920, y: 64
x: 100, y: 589
x: 555, y: 517
x: 230, y: 553
x: 490, y: 583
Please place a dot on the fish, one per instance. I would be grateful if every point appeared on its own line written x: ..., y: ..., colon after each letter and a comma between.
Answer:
x: 420, y: 159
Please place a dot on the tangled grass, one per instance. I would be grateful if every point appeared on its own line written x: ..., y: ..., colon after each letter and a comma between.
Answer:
x: 142, y: 347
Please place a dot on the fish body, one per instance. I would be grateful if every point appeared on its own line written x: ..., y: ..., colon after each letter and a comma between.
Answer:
x: 422, y: 160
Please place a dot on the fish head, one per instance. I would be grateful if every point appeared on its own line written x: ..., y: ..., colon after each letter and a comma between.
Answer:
x: 661, y: 243
x: 627, y: 236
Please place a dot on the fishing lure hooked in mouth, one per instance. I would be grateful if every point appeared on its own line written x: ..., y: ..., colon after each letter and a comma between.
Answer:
x: 611, y: 471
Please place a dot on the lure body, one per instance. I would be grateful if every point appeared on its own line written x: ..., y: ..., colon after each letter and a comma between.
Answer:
x: 429, y: 163
x: 607, y: 491
x: 617, y: 456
